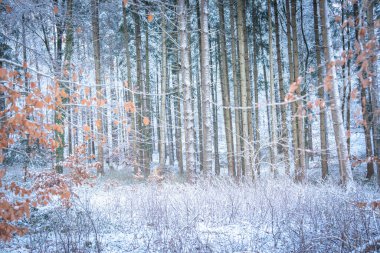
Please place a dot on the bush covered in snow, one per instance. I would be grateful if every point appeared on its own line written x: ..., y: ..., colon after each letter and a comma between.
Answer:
x: 209, y: 216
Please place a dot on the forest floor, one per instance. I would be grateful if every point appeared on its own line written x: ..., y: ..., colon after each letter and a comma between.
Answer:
x: 122, y: 214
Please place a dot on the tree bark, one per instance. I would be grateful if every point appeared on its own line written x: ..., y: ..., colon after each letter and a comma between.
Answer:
x: 206, y: 89
x: 284, y: 129
x: 199, y: 94
x: 273, y: 96
x: 299, y: 130
x: 243, y: 87
x: 140, y: 166
x: 187, y: 104
x: 256, y: 91
x: 340, y: 140
x: 214, y: 94
x: 375, y: 92
x: 162, y: 118
x: 321, y: 95
x: 237, y: 102
x: 148, y: 102
x: 251, y: 163
x: 363, y: 102
x: 226, y: 92
x: 96, y: 45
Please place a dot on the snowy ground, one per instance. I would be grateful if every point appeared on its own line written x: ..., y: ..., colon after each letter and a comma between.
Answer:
x: 209, y: 216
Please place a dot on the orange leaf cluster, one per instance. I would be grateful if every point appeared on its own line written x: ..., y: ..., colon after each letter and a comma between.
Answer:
x: 146, y: 121
x: 23, y: 118
x: 150, y: 17
x: 129, y: 107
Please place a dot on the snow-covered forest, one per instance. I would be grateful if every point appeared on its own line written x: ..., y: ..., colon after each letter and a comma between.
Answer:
x: 189, y: 126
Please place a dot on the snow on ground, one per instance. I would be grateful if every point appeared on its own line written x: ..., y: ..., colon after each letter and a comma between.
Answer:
x: 210, y: 216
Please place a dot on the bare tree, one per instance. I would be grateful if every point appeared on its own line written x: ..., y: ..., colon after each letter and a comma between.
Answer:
x: 162, y: 118
x: 226, y: 92
x: 206, y: 89
x: 340, y: 139
x: 96, y: 45
x: 321, y: 95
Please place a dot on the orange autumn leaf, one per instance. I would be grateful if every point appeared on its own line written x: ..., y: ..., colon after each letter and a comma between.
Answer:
x: 354, y: 93
x: 362, y: 32
x: 150, y: 17
x: 33, y: 85
x: 8, y: 9
x: 75, y: 77
x: 3, y: 73
x: 64, y: 94
x: 55, y: 10
x: 98, y: 123
x: 146, y: 121
x: 87, y: 90
x: 59, y: 115
x: 86, y: 128
x: 39, y: 104
x: 129, y: 107
x: 101, y: 102
x: 48, y: 99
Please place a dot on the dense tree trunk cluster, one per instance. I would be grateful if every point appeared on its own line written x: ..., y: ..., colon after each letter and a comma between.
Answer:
x: 211, y: 87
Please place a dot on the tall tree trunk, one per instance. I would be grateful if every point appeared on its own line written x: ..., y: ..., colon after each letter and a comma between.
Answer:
x: 321, y: 95
x: 226, y: 92
x: 308, y: 140
x: 67, y: 64
x: 342, y: 3
x: 162, y: 118
x: 237, y: 102
x: 251, y: 163
x: 27, y: 91
x: 206, y: 89
x: 272, y: 95
x: 291, y: 75
x: 169, y: 119
x: 215, y: 124
x: 199, y: 94
x: 177, y: 112
x: 284, y: 127
x: 267, y: 109
x: 340, y: 139
x: 299, y: 130
x: 140, y: 165
x: 187, y: 105
x: 58, y: 115
x: 214, y: 95
x: 256, y: 90
x: 363, y: 100
x: 96, y: 45
x: 127, y: 52
x: 148, y: 101
x: 243, y: 87
x: 374, y: 91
